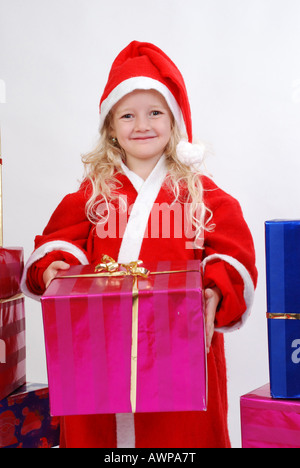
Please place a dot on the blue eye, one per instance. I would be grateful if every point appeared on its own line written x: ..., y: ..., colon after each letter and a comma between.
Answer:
x: 127, y: 116
x: 156, y: 113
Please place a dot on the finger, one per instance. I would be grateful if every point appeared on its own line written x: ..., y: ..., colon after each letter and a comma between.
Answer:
x: 48, y: 282
x: 210, y: 309
x: 210, y: 328
x: 54, y: 269
x: 60, y: 265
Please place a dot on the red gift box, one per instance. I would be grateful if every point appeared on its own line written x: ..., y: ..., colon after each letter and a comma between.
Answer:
x: 11, y: 269
x: 12, y: 345
x: 104, y: 356
x: 268, y: 422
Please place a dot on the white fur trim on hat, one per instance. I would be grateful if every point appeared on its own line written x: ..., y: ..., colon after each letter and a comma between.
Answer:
x: 145, y: 83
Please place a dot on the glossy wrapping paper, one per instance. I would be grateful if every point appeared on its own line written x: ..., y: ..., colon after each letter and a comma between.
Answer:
x: 269, y: 423
x: 12, y: 345
x: 25, y: 420
x: 11, y: 268
x: 283, y: 306
x: 88, y: 335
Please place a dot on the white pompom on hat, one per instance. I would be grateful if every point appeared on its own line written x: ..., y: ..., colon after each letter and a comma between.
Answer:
x: 144, y: 66
x: 191, y: 154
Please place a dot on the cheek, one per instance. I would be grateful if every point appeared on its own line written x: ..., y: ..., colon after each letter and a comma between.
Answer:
x: 166, y: 131
x: 166, y: 126
x: 121, y: 132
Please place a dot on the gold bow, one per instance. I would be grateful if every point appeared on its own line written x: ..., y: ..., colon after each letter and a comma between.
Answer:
x: 109, y: 265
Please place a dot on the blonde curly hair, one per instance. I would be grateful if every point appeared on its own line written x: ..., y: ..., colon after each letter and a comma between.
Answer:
x: 103, y: 163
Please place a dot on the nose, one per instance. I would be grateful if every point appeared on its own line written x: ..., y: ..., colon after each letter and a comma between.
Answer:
x: 142, y: 123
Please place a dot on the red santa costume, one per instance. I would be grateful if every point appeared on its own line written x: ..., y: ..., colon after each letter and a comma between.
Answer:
x: 228, y: 261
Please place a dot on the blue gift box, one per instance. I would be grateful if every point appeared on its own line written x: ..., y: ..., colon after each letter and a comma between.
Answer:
x: 25, y: 420
x: 283, y: 306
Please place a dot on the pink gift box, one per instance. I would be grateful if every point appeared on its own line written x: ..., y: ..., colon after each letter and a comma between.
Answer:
x: 12, y: 345
x: 268, y: 422
x: 11, y: 268
x: 88, y: 337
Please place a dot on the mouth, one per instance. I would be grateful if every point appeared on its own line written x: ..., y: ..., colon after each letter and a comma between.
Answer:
x: 144, y: 138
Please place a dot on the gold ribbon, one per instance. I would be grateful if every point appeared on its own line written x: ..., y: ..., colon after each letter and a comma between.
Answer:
x: 283, y: 316
x: 109, y: 265
x: 11, y: 299
x: 110, y: 268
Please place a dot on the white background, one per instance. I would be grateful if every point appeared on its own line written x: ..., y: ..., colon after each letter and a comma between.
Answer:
x: 241, y: 63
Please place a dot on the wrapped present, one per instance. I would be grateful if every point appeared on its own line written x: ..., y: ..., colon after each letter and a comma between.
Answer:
x: 11, y: 269
x: 124, y: 339
x: 25, y: 420
x: 12, y: 315
x: 269, y: 423
x: 283, y: 306
x: 12, y: 345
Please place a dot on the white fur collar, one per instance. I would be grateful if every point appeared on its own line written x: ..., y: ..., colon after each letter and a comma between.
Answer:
x: 139, y: 216
x: 138, y: 181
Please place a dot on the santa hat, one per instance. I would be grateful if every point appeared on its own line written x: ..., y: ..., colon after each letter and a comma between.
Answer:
x: 144, y: 66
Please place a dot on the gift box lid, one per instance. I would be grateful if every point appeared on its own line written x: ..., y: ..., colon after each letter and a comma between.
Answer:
x: 73, y: 282
x: 29, y: 387
x: 269, y: 423
x: 283, y: 265
x: 261, y: 398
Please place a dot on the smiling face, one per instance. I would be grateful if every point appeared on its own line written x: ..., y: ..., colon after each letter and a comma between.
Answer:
x: 142, y: 123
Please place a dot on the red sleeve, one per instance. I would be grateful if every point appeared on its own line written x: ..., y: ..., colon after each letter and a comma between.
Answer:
x: 34, y: 280
x: 229, y: 257
x: 69, y: 221
x: 64, y: 238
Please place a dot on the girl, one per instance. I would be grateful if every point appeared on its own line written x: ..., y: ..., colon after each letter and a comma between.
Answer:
x: 144, y: 195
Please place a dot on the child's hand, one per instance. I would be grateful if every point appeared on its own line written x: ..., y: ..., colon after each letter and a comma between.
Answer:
x: 52, y: 271
x: 212, y: 298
